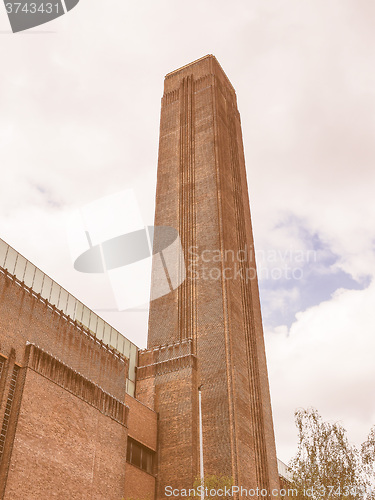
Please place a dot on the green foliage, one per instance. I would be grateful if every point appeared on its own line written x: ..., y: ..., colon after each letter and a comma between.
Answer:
x: 326, y: 464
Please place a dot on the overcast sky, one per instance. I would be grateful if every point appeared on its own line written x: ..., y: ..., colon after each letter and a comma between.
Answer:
x: 79, y: 119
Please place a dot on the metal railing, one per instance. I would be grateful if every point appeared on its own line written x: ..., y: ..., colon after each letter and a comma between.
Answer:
x: 57, y: 296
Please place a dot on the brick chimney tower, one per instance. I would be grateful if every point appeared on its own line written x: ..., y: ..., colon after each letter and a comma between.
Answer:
x: 208, y: 331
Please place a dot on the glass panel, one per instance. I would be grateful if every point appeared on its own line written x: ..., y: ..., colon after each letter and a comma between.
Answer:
x: 136, y: 455
x: 120, y: 343
x: 54, y: 299
x: 10, y: 260
x: 100, y: 329
x: 20, y: 267
x: 132, y: 362
x: 145, y: 455
x: 46, y: 289
x: 3, y: 251
x: 29, y: 274
x: 38, y: 281
x: 93, y: 322
x: 126, y: 348
x: 107, y: 333
x: 79, y: 312
x: 130, y: 389
x: 113, y: 338
x: 63, y: 300
x: 70, y: 309
x: 85, y: 316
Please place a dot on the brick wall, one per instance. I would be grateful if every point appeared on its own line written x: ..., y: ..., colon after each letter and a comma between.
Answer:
x: 25, y: 318
x: 171, y: 373
x: 202, y: 192
x: 142, y: 422
x: 139, y: 484
x: 69, y: 442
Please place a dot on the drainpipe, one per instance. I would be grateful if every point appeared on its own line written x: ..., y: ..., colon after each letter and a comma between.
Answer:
x: 201, y: 440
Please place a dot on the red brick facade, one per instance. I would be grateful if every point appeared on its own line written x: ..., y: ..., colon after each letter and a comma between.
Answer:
x: 54, y: 454
x: 202, y: 192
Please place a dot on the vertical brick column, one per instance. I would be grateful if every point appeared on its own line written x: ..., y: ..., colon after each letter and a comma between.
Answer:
x: 202, y: 192
x: 168, y: 377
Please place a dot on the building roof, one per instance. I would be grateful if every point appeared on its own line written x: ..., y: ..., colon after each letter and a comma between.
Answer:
x: 57, y: 296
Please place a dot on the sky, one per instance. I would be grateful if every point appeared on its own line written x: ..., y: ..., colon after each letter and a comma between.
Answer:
x: 79, y: 120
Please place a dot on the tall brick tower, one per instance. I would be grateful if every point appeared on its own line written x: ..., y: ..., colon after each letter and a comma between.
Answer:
x: 207, y: 332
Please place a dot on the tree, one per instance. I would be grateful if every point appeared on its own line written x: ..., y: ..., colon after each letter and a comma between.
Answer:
x: 326, y: 465
x: 368, y: 462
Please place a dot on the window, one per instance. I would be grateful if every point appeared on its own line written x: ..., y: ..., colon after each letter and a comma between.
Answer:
x: 136, y: 454
x: 139, y: 455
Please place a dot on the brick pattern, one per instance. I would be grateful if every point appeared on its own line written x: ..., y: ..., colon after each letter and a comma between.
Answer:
x: 187, y: 207
x: 168, y: 376
x: 139, y: 484
x: 28, y: 318
x: 65, y: 377
x: 202, y: 192
x: 64, y: 447
x: 146, y: 391
x: 177, y: 401
x: 165, y: 359
x: 142, y: 423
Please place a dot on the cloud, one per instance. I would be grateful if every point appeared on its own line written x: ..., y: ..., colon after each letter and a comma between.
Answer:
x: 325, y: 361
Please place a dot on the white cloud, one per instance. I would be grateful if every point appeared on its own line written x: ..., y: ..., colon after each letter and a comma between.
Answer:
x: 327, y: 362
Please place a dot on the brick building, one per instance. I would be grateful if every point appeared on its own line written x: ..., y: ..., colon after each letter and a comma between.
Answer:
x: 83, y: 412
